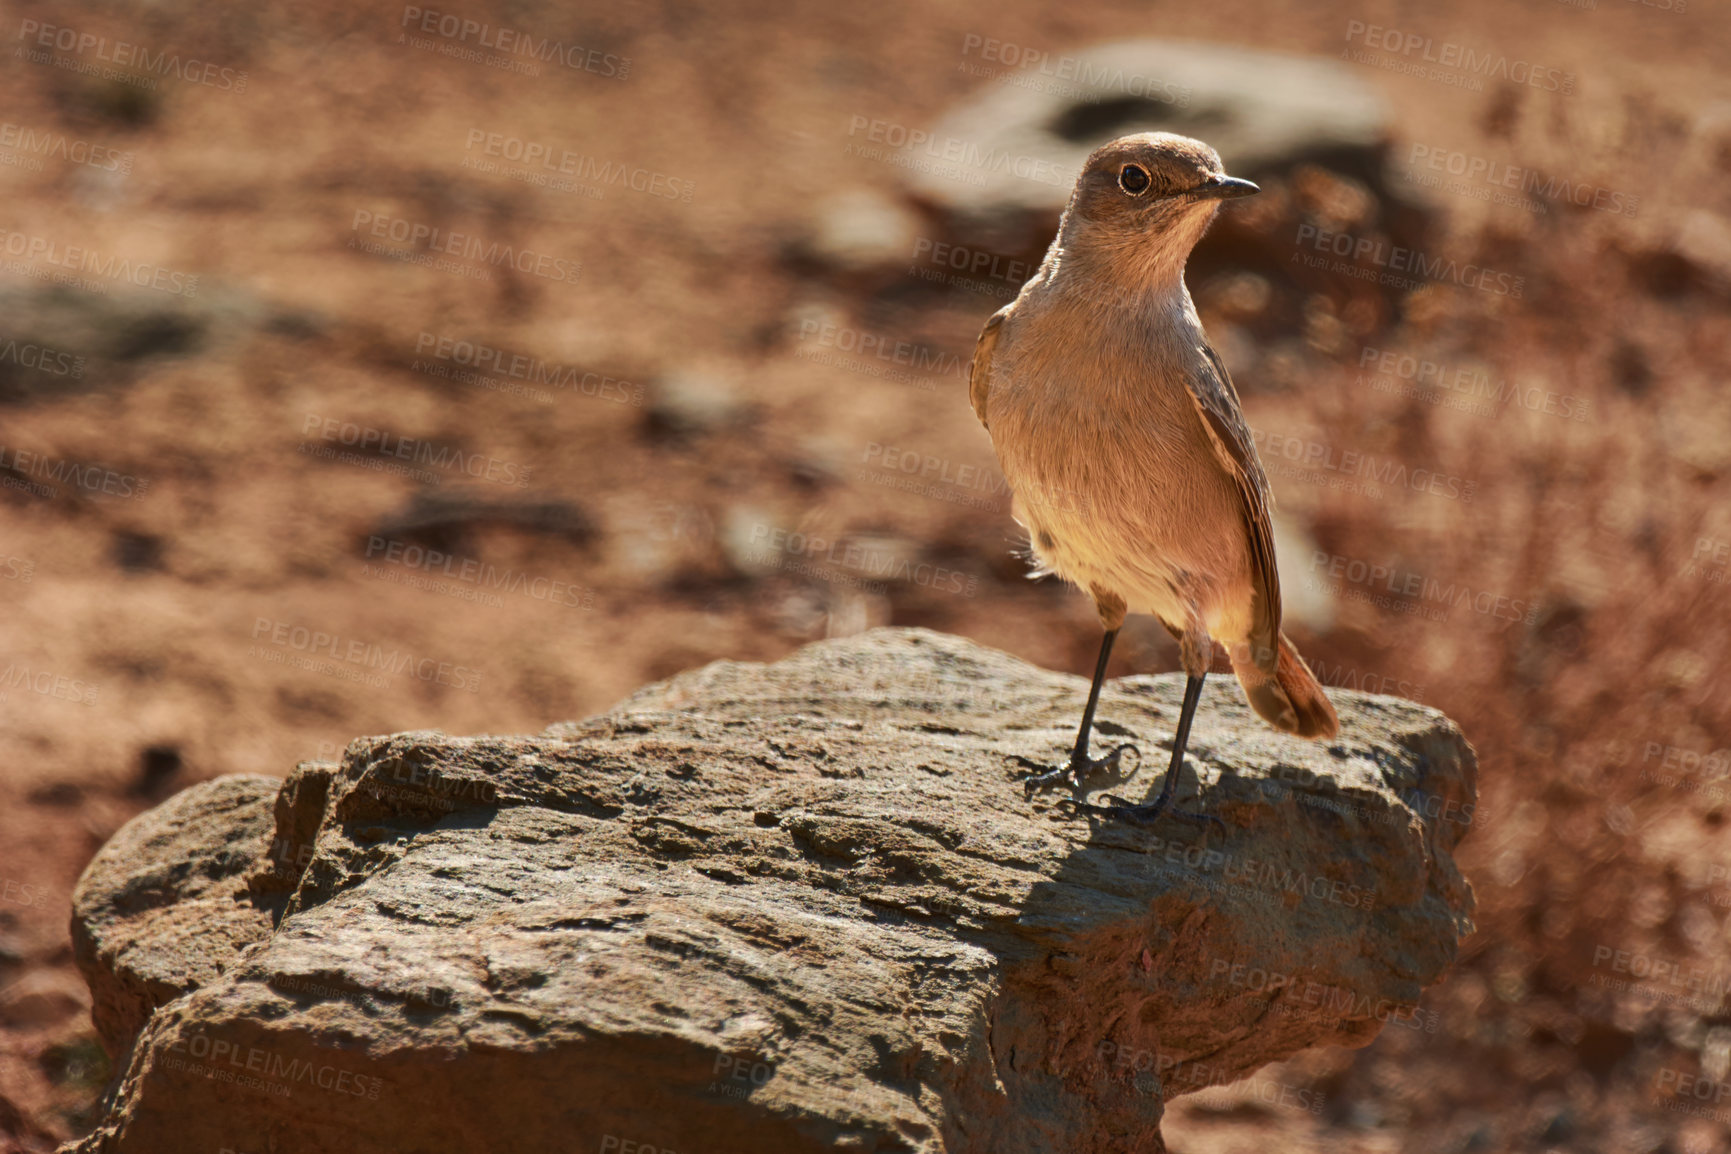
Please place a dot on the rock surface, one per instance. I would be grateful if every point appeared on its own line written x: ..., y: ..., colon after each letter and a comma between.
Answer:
x: 1017, y: 145
x: 801, y: 906
x: 158, y: 911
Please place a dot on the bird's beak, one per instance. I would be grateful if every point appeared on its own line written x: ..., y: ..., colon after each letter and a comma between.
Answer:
x: 1224, y: 188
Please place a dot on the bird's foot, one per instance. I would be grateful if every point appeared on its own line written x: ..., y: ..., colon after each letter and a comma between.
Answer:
x: 1143, y: 815
x: 1076, y: 774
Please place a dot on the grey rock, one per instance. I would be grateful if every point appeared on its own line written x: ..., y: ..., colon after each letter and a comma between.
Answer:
x: 797, y: 906
x: 67, y: 342
x: 41, y: 998
x: 1703, y: 241
x: 861, y: 228
x: 688, y: 403
x: 1014, y: 148
x: 165, y: 904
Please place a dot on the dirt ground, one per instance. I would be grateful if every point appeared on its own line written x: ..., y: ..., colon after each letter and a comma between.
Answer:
x: 192, y: 555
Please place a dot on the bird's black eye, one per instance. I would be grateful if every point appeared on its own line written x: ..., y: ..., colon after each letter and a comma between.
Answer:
x: 1133, y: 179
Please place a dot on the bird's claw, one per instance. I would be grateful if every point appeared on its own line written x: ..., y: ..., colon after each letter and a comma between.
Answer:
x: 1143, y: 815
x: 1077, y: 773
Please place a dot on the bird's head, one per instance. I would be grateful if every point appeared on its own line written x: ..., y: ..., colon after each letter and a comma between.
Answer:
x: 1143, y: 201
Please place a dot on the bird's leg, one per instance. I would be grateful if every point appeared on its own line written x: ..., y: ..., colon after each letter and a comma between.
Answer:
x: 1147, y: 813
x: 1195, y: 651
x: 1081, y: 766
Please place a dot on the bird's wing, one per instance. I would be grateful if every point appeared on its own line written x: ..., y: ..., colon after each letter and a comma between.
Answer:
x: 1217, y: 404
x: 980, y: 372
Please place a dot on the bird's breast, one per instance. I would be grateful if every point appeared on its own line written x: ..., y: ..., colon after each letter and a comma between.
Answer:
x: 1114, y: 475
x: 1091, y: 404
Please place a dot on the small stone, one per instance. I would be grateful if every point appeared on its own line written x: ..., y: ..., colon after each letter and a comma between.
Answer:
x: 42, y: 998
x: 862, y: 229
x: 1704, y: 242
x: 687, y: 404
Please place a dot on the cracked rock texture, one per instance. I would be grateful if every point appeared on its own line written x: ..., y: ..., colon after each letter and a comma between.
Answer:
x: 798, y: 906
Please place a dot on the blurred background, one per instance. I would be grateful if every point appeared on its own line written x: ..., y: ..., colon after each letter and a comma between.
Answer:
x: 386, y: 367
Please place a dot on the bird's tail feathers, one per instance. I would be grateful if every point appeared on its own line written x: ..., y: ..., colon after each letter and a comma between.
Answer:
x: 1291, y: 699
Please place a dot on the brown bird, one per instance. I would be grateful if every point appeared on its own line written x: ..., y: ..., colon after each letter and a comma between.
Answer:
x: 1121, y: 436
